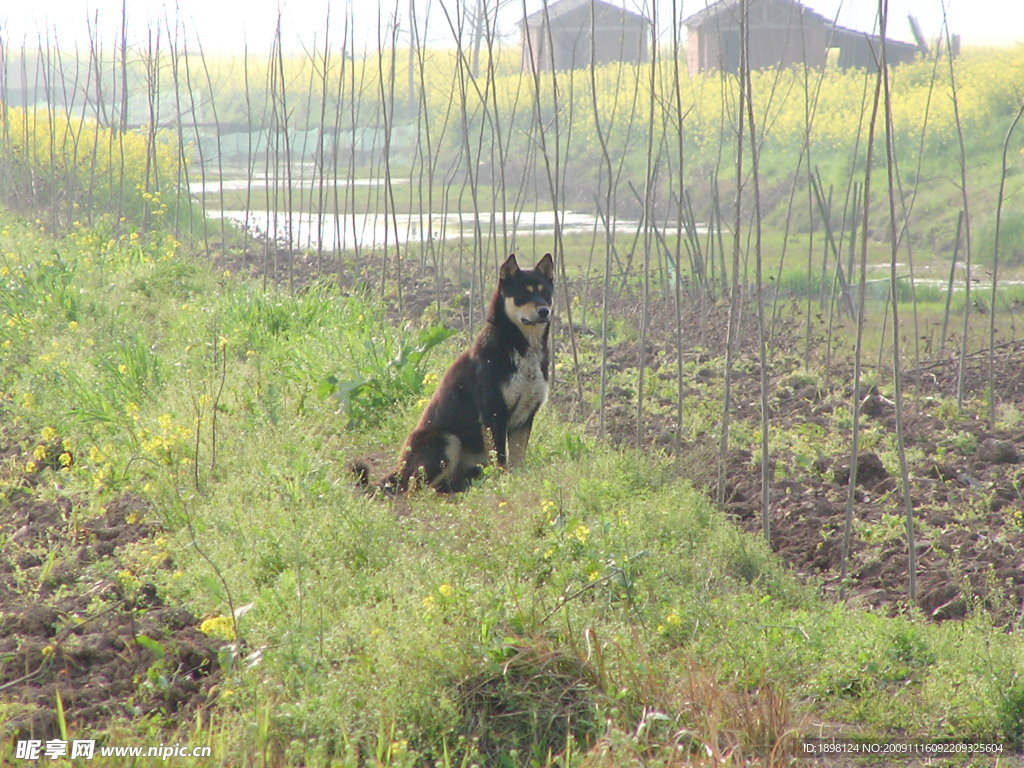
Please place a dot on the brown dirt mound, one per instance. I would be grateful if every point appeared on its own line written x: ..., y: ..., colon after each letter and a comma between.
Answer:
x: 967, y: 505
x: 72, y: 618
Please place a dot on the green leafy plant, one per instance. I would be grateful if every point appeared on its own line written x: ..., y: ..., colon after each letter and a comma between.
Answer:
x: 387, y: 377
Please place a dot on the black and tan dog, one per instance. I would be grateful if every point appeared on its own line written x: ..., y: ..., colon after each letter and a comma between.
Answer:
x: 488, y: 398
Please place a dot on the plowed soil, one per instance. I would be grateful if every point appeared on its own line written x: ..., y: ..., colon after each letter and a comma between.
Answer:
x: 966, y: 480
x: 79, y: 633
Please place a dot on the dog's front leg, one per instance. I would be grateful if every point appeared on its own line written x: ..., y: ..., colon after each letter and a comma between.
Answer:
x: 496, y: 432
x: 517, y: 442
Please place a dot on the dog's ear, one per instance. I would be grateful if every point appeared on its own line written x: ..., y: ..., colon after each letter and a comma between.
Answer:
x: 510, y: 268
x: 546, y: 267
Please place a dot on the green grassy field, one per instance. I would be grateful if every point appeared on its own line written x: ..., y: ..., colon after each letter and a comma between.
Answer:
x: 175, y: 442
x: 591, y: 609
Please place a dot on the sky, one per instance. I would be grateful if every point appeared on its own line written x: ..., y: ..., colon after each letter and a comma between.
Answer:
x: 221, y: 27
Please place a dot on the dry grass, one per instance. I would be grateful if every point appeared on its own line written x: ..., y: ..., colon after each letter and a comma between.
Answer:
x: 534, y: 698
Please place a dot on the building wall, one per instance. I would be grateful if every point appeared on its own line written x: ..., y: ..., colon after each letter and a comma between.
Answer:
x: 535, y: 48
x: 576, y: 35
x: 782, y: 47
x: 780, y: 36
x: 859, y: 50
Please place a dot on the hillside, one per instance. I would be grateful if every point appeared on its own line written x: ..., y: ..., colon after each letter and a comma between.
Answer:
x: 169, y: 463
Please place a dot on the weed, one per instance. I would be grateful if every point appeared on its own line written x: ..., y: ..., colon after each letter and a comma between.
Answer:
x: 1010, y: 714
x: 392, y: 371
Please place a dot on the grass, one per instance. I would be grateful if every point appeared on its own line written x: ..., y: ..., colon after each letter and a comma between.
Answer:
x: 408, y: 198
x: 592, y: 609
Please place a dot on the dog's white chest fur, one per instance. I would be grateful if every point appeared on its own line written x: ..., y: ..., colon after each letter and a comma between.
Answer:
x: 527, y: 389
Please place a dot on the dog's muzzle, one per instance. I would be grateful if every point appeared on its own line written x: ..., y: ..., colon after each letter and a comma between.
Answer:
x: 542, y: 317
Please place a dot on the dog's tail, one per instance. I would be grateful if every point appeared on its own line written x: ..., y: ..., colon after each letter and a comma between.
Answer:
x: 361, y: 475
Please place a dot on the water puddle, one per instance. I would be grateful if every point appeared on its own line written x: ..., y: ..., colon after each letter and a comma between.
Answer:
x: 370, y: 230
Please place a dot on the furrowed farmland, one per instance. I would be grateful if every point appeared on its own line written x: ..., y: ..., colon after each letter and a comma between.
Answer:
x: 772, y: 508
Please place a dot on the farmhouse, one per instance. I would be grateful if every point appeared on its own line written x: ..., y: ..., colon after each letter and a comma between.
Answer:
x: 572, y: 34
x: 781, y: 33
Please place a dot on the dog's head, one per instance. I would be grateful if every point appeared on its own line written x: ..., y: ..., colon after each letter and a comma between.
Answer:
x: 526, y: 293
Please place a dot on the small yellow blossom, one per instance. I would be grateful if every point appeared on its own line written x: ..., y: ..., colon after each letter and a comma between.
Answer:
x: 446, y: 590
x: 128, y: 579
x: 221, y: 627
x: 582, y: 533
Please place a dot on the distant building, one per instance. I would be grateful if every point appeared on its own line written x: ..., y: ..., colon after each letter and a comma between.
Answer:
x: 781, y: 33
x: 568, y: 34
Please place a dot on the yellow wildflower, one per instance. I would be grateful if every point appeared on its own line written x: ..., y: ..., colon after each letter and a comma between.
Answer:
x: 221, y: 627
x: 582, y: 533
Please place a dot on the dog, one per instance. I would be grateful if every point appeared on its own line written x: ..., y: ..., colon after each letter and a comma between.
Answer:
x: 485, y: 404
